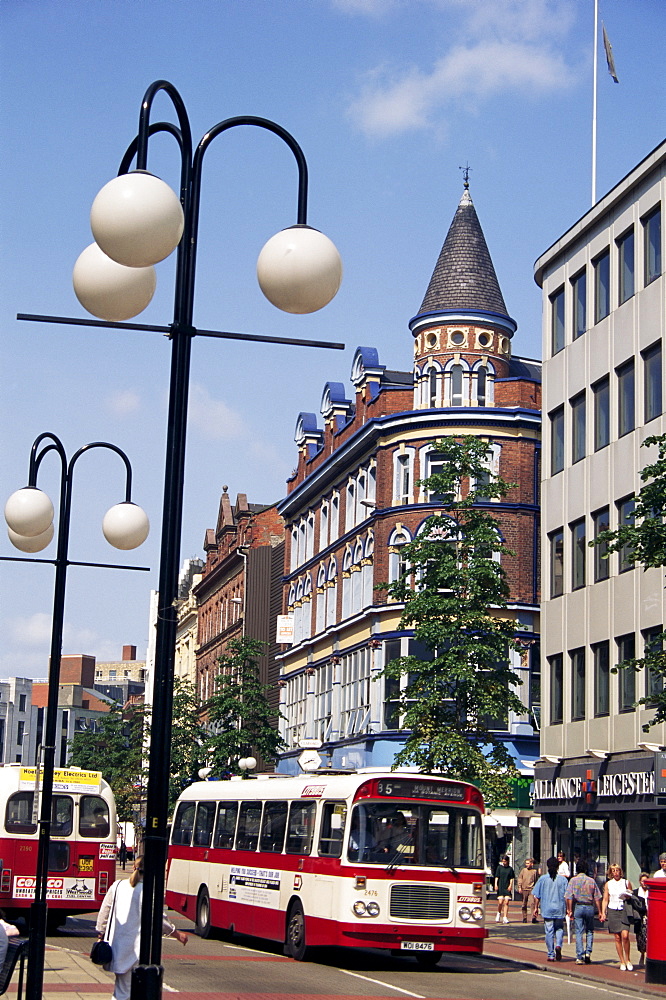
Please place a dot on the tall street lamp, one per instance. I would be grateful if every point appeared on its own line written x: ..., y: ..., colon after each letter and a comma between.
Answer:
x: 29, y: 514
x: 137, y: 220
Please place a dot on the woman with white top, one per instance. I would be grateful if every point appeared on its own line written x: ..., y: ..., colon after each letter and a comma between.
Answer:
x: 121, y: 914
x: 616, y: 890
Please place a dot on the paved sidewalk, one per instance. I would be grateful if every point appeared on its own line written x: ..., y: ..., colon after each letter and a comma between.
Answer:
x: 525, y: 943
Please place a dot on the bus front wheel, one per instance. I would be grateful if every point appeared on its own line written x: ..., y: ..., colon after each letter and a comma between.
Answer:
x: 203, y: 913
x: 296, y: 945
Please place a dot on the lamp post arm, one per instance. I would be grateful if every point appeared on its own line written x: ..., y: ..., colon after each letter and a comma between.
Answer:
x: 144, y: 122
x: 131, y: 150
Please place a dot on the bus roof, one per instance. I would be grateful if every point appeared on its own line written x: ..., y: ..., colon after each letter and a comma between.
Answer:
x: 317, y: 784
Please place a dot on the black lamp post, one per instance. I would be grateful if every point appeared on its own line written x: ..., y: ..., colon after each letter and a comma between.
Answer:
x: 137, y: 221
x: 29, y: 515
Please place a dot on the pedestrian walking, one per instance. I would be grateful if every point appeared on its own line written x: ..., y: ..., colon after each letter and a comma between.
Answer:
x: 583, y: 899
x: 563, y: 865
x: 504, y: 879
x: 549, y: 890
x: 122, y: 853
x: 616, y: 890
x: 641, y: 926
x: 661, y: 870
x: 527, y: 877
x: 119, y: 922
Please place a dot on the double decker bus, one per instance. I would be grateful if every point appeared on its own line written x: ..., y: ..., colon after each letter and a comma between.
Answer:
x: 364, y: 859
x: 82, y: 847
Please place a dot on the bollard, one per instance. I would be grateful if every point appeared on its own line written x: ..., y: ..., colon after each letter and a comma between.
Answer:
x: 655, y: 959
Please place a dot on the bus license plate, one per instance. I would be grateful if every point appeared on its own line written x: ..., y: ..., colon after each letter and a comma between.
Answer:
x: 417, y: 946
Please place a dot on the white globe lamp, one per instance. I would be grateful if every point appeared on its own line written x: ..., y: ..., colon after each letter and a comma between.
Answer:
x: 299, y: 270
x: 32, y: 543
x: 109, y: 290
x: 29, y: 512
x: 125, y: 526
x: 137, y: 219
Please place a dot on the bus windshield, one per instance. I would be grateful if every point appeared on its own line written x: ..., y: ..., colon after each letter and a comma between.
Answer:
x: 430, y: 834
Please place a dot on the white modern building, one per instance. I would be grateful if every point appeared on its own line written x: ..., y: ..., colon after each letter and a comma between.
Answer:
x: 604, y: 294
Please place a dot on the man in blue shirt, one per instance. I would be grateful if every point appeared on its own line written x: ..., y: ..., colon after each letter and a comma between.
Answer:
x: 550, y: 890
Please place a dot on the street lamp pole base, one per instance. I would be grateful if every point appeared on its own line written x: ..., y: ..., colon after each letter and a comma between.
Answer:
x: 147, y: 982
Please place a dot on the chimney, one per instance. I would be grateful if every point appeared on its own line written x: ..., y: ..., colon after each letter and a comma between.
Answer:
x: 129, y: 652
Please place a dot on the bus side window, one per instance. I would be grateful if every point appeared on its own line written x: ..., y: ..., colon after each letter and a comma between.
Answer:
x: 301, y: 827
x: 249, y: 820
x: 93, y: 816
x: 183, y: 824
x: 333, y: 818
x: 273, y: 827
x: 62, y: 816
x: 227, y: 813
x: 203, y: 827
x: 18, y: 815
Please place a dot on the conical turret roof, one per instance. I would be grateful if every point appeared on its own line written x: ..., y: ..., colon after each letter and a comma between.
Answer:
x: 464, y: 278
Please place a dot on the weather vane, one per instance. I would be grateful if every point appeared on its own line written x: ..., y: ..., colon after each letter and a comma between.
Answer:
x: 466, y: 169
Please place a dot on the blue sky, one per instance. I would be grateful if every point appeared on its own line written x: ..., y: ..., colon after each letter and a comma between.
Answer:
x: 388, y: 98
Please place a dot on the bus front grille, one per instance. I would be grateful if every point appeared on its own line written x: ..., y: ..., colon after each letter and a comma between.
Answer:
x: 420, y: 902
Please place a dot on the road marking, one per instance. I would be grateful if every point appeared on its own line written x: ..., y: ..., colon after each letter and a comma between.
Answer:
x: 589, y: 986
x: 378, y: 982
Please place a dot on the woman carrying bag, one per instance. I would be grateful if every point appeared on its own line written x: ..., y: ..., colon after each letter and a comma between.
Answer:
x: 119, y: 923
x: 613, y: 910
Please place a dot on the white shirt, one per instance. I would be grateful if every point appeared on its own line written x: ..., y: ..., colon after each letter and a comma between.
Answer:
x: 563, y: 869
x: 659, y: 874
x: 125, y: 930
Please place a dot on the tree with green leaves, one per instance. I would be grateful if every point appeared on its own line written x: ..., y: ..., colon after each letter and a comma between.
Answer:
x: 642, y: 539
x: 240, y: 720
x: 189, y: 740
x: 454, y: 588
x: 116, y: 748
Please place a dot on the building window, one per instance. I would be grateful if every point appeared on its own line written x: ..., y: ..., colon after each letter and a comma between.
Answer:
x: 626, y: 650
x: 626, y: 410
x: 577, y: 684
x: 557, y: 563
x: 578, y: 548
x: 557, y: 320
x: 556, y: 689
x: 433, y: 380
x: 601, y: 678
x: 323, y: 526
x: 625, y: 263
x: 625, y: 516
x: 579, y: 292
x: 652, y: 382
x: 21, y: 704
x: 457, y: 385
x: 601, y: 286
x: 557, y: 441
x: 652, y: 245
x: 578, y: 428
x: 20, y: 733
x: 600, y: 520
x: 601, y: 392
x: 653, y: 643
x: 402, y: 478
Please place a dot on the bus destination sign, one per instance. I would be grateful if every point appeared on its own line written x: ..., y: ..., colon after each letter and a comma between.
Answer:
x: 403, y: 788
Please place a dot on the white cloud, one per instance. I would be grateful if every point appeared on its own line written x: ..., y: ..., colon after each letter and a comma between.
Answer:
x: 32, y: 631
x: 212, y: 417
x: 124, y: 403
x: 502, y: 46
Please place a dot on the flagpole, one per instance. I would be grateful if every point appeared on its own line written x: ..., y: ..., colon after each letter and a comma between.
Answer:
x: 594, y: 101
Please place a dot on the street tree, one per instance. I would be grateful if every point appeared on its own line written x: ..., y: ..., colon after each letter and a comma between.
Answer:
x: 189, y: 739
x: 241, y: 721
x: 642, y: 539
x: 454, y: 590
x: 115, y: 747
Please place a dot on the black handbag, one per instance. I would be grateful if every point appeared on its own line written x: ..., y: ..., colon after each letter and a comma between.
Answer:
x: 101, y: 953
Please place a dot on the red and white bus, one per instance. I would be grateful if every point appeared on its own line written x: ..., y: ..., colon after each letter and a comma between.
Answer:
x: 364, y: 859
x: 82, y: 848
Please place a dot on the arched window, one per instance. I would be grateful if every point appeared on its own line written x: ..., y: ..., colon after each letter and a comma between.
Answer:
x: 332, y: 592
x: 397, y: 561
x: 321, y: 600
x: 456, y: 383
x: 347, y: 583
x: 306, y: 617
x: 483, y: 383
x: 357, y: 578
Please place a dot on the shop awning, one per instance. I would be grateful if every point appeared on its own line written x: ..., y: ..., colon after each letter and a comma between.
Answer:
x: 500, y: 818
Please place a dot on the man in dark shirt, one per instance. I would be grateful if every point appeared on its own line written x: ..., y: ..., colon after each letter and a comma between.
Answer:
x: 504, y: 878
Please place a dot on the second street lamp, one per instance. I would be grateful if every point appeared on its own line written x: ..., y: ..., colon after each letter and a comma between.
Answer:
x: 299, y: 271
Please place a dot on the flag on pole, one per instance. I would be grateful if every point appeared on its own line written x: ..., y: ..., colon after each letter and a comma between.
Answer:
x: 608, y: 49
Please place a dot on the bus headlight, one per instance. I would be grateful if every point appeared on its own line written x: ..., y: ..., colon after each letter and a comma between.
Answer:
x: 359, y: 908
x: 477, y: 912
x: 372, y: 909
x: 465, y: 913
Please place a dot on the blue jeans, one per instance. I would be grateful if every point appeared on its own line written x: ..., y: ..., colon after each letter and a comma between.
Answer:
x: 584, y: 925
x: 554, y: 927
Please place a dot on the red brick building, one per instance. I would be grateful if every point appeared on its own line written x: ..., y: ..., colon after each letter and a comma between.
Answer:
x: 240, y: 589
x: 354, y: 501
